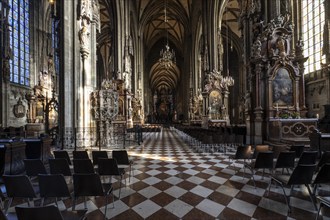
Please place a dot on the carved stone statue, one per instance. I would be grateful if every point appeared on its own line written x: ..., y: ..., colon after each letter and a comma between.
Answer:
x: 83, y: 33
x: 256, y: 48
x: 281, y: 46
x: 300, y: 47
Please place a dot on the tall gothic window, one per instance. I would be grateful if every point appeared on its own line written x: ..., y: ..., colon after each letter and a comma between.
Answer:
x: 55, y: 44
x: 19, y: 41
x: 313, y: 23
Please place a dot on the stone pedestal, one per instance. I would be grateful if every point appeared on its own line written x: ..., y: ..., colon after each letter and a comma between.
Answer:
x: 34, y: 129
x: 291, y: 131
x: 205, y: 121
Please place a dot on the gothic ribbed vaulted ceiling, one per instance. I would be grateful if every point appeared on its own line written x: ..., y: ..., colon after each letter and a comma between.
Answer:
x: 155, y: 29
x: 178, y: 12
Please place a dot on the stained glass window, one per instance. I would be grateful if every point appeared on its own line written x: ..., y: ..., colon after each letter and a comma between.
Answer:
x: 313, y: 23
x: 19, y: 41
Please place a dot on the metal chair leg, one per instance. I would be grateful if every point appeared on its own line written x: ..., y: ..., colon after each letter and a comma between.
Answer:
x: 318, y: 212
x: 310, y: 196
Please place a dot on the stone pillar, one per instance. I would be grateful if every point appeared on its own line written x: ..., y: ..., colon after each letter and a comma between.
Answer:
x: 88, y: 23
x: 68, y: 74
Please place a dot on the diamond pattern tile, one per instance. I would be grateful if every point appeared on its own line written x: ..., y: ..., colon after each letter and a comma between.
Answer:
x: 172, y: 181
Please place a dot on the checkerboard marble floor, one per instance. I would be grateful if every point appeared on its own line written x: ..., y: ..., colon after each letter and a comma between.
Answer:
x: 170, y: 181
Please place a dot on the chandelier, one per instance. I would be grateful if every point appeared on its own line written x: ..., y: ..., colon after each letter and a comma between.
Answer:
x: 167, y: 56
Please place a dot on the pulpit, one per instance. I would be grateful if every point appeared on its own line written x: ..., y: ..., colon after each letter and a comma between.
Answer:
x: 104, y: 104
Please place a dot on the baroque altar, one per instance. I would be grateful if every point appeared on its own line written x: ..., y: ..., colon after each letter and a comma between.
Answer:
x: 215, y: 97
x: 277, y: 65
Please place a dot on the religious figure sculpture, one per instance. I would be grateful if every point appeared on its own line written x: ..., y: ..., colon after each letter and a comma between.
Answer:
x: 83, y: 33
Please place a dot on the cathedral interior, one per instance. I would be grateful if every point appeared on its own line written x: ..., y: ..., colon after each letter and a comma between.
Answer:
x: 180, y: 85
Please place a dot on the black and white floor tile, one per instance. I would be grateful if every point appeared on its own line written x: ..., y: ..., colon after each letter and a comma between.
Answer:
x: 171, y: 181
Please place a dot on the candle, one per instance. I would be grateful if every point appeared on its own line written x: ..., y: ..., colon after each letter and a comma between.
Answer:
x: 276, y: 106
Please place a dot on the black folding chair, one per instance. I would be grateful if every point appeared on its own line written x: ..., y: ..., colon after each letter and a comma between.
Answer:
x: 98, y: 154
x: 109, y: 167
x: 83, y: 166
x: 263, y: 161
x: 122, y: 159
x: 308, y: 157
x: 47, y: 212
x: 53, y: 186
x: 243, y: 153
x: 325, y: 158
x: 33, y: 167
x: 90, y: 185
x: 80, y: 154
x: 62, y: 154
x: 285, y: 160
x: 301, y: 175
x: 18, y: 186
x: 322, y: 177
x: 59, y: 166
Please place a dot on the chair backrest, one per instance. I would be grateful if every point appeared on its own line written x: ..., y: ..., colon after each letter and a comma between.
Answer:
x: 121, y: 156
x: 299, y: 149
x: 302, y: 174
x: 19, y: 186
x: 87, y: 185
x: 243, y: 152
x: 59, y: 166
x: 80, y: 154
x: 308, y: 157
x: 62, y: 154
x: 33, y: 167
x: 38, y: 213
x: 325, y: 158
x: 323, y: 175
x: 108, y: 166
x: 53, y: 185
x: 83, y: 166
x: 99, y: 154
x: 260, y: 148
x: 264, y: 160
x: 285, y: 159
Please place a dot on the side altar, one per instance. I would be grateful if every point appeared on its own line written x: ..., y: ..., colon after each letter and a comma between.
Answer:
x: 291, y: 131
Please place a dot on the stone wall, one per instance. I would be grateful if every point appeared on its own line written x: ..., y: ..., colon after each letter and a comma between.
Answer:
x: 317, y: 92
